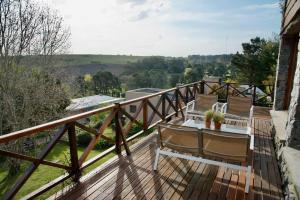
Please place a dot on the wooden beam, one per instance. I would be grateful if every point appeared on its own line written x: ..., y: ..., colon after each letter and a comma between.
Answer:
x: 153, y: 112
x: 119, y: 127
x: 136, y: 114
x: 32, y: 167
x: 170, y: 103
x: 34, y: 160
x: 73, y: 152
x: 94, y: 141
x: 163, y: 106
x: 51, y: 125
x: 130, y: 117
x: 93, y: 131
x: 145, y: 114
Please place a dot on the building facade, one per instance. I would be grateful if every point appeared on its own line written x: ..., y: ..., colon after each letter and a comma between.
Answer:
x: 286, y: 109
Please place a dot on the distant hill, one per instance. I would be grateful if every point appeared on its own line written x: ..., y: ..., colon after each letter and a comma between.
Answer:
x: 79, y: 59
x: 200, y: 59
x: 81, y: 64
x: 90, y: 64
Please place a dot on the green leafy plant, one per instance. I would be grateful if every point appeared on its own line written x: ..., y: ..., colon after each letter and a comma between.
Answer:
x: 209, y: 115
x: 218, y: 117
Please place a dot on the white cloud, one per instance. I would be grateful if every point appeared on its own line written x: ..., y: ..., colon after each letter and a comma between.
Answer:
x: 263, y: 6
x: 150, y: 27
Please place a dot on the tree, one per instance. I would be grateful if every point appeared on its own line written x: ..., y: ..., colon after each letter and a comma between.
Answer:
x: 26, y: 28
x: 257, y: 62
x: 193, y: 73
x: 27, y: 96
x: 105, y: 82
x: 176, y: 65
x: 216, y: 69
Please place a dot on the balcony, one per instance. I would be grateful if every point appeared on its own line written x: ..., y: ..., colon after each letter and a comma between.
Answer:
x: 130, y: 173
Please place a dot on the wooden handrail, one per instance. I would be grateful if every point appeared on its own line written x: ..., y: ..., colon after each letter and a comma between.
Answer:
x: 51, y: 125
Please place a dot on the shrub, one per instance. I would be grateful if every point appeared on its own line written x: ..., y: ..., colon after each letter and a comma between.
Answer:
x: 103, y: 144
x: 134, y: 129
x: 84, y: 139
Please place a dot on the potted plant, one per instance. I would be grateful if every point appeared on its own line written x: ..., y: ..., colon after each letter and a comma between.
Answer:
x: 208, y: 117
x: 218, y: 119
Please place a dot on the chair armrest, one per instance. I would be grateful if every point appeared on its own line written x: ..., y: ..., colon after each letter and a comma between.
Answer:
x: 252, y: 142
x: 215, y: 107
x: 224, y: 108
x: 250, y: 116
x: 190, y: 104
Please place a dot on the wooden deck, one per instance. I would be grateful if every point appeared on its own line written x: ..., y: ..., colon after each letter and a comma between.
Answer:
x: 133, y: 178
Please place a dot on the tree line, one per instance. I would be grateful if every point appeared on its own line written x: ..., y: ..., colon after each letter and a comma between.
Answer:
x: 256, y: 64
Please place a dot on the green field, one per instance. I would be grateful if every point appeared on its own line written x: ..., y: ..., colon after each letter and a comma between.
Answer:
x: 77, y: 59
x: 81, y: 64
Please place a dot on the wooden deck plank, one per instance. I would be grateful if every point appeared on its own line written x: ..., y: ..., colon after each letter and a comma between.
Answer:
x: 266, y: 191
x: 200, y: 183
x: 182, y: 173
x: 190, y: 187
x: 135, y: 190
x: 149, y: 182
x: 158, y: 186
x: 209, y: 183
x: 232, y: 189
x: 126, y: 178
x: 87, y: 182
x: 256, y: 164
x: 133, y: 177
x: 177, y: 194
x: 118, y: 178
x: 215, y: 189
x: 155, y: 178
x: 225, y: 184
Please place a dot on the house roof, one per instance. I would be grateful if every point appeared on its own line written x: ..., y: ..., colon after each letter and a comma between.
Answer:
x: 91, y: 102
x: 147, y: 90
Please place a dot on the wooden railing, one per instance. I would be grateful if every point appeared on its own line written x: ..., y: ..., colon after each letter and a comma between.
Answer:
x: 168, y: 103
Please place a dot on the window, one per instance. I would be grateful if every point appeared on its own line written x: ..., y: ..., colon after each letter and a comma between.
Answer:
x: 132, y: 108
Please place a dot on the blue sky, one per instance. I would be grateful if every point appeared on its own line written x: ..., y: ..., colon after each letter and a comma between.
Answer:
x: 166, y: 27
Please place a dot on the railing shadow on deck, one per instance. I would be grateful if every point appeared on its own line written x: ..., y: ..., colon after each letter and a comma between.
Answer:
x: 170, y: 103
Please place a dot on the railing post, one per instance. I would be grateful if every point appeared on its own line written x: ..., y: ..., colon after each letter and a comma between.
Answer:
x: 254, y: 95
x: 176, y: 101
x: 118, y: 131
x: 202, y: 87
x: 145, y: 114
x: 186, y: 94
x: 73, y: 152
x: 195, y: 90
x: 227, y: 91
x: 163, y: 106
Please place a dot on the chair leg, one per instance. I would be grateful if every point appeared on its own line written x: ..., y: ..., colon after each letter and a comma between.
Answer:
x: 248, y: 176
x: 156, y: 159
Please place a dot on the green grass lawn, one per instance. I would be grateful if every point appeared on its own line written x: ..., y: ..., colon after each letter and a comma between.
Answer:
x: 45, y: 174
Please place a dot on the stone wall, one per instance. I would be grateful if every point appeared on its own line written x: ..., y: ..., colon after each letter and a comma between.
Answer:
x: 281, y: 74
x: 293, y: 121
x: 287, y: 131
